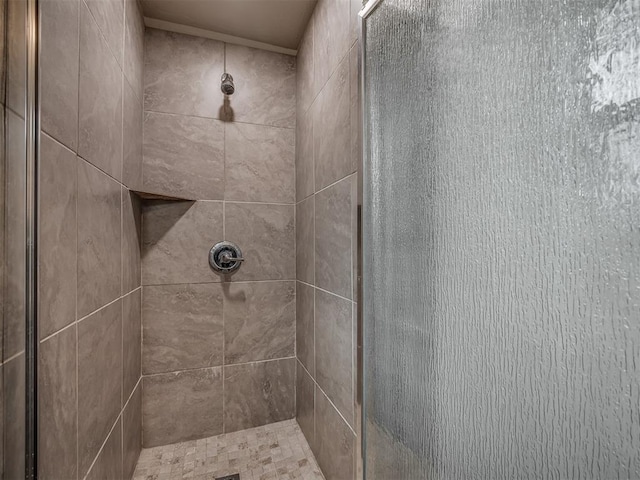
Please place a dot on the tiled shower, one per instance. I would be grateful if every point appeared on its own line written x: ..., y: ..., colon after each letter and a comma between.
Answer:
x: 145, y: 165
x: 228, y: 342
x: 315, y: 239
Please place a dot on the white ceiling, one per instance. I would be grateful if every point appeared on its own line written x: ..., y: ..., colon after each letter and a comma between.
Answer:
x: 280, y: 23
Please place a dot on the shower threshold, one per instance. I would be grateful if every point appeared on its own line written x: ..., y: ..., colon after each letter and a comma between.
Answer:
x: 277, y: 451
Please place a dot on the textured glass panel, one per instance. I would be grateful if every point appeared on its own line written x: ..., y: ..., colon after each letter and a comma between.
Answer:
x: 502, y: 239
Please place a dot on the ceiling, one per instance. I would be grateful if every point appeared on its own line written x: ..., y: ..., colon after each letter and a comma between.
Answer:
x: 280, y: 23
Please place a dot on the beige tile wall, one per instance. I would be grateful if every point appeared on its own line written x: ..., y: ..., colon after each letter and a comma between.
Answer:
x: 326, y: 209
x: 90, y: 235
x: 12, y: 258
x: 218, y: 353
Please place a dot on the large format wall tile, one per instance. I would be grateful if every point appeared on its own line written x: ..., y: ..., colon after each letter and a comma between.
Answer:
x: 133, y: 65
x: 108, y: 465
x: 57, y: 396
x: 266, y: 236
x: 305, y: 175
x: 109, y: 16
x: 355, y: 110
x: 131, y: 342
x: 332, y: 129
x: 305, y: 240
x: 182, y: 74
x: 57, y: 236
x: 183, y: 327
x: 2, y: 237
x: 131, y: 139
x: 16, y: 56
x: 15, y: 237
x: 100, y: 107
x: 265, y: 86
x: 356, y: 212
x: 99, y: 380
x: 99, y: 228
x: 59, y: 56
x: 305, y: 350
x: 305, y: 403
x: 334, y: 353
x: 177, y: 237
x: 354, y: 8
x: 182, y: 406
x: 259, y: 321
x: 330, y: 37
x: 14, y: 409
x: 305, y: 82
x: 132, y: 433
x: 258, y: 393
x: 335, y: 443
x: 333, y: 238
x: 2, y: 401
x: 184, y: 156
x: 259, y: 163
x: 131, y: 240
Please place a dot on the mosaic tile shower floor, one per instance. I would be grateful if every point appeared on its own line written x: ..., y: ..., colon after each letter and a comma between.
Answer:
x: 277, y: 451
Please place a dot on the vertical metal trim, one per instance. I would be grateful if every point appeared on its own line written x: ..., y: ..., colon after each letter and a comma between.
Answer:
x: 366, y: 11
x: 359, y: 414
x: 32, y: 125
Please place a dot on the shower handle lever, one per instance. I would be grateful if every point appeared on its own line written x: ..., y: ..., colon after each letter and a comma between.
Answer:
x: 227, y: 258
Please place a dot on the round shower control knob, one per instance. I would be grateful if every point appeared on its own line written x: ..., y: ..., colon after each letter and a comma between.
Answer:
x: 225, y: 257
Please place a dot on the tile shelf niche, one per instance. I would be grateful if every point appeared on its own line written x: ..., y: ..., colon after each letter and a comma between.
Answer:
x: 148, y: 195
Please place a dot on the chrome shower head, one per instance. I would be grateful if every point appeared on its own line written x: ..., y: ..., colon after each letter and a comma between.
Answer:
x: 227, y: 86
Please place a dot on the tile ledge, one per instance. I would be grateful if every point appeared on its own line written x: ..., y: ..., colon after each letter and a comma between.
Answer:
x: 148, y: 195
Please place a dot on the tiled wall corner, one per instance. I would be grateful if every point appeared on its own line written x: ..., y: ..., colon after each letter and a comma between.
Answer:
x: 90, y: 238
x: 226, y: 343
x: 327, y: 158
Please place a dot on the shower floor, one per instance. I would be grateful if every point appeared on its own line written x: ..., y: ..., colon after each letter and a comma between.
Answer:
x: 272, y: 452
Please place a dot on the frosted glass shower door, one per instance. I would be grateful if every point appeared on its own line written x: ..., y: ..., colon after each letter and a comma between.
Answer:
x: 501, y: 239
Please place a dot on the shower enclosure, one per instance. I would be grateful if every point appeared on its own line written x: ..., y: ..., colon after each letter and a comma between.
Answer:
x: 501, y: 239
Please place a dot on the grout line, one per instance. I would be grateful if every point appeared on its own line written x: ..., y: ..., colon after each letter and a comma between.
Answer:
x: 298, y: 202
x: 224, y: 238
x: 100, y: 309
x: 119, y: 417
x: 77, y: 192
x: 66, y: 327
x: 122, y: 321
x: 104, y: 37
x: 335, y: 183
x: 77, y: 402
x: 333, y: 72
x: 295, y: 290
x: 218, y: 366
x: 111, y: 177
x: 13, y: 357
x: 220, y: 200
x: 238, y: 282
x: 159, y: 112
x: 51, y: 137
x: 17, y: 114
x: 326, y: 291
x: 122, y: 148
x: 327, y: 397
x: 260, y: 203
x: 133, y: 391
